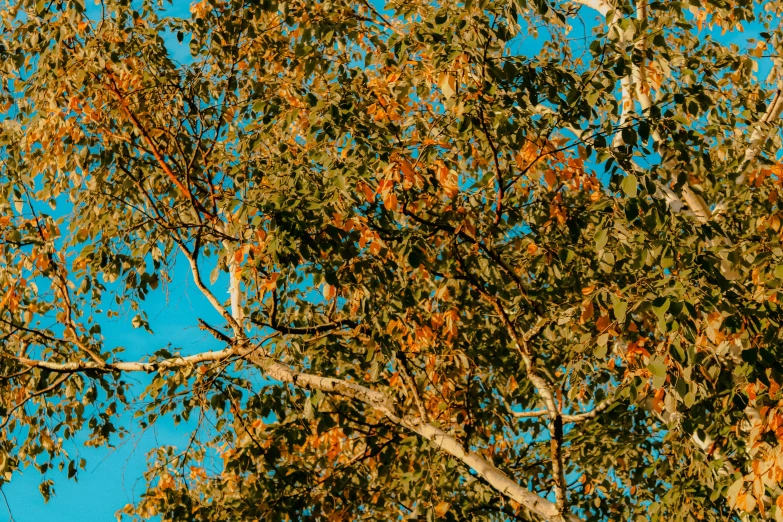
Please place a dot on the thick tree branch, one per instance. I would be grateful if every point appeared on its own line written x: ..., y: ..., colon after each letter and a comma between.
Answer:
x: 761, y: 132
x: 378, y: 400
x: 234, y: 288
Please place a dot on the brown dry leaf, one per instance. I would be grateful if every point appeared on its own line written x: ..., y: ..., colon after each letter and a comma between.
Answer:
x: 602, y: 323
x: 587, y: 312
x: 369, y: 195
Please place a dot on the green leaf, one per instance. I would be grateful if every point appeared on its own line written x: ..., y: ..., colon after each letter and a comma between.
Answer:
x: 629, y: 185
x: 657, y: 367
x: 601, y: 237
x: 619, y: 307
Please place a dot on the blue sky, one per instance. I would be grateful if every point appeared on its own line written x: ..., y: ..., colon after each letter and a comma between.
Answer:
x: 110, y: 479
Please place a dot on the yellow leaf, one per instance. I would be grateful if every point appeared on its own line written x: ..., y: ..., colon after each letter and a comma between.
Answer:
x: 734, y: 491
x: 746, y: 502
x: 447, y: 84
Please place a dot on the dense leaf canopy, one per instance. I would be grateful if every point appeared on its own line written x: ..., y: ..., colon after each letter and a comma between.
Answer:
x: 485, y: 260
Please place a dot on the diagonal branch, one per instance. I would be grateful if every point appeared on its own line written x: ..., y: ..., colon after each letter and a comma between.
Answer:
x: 760, y: 134
x: 541, y: 384
x: 114, y: 89
x: 192, y: 260
x: 235, y: 280
x: 379, y: 401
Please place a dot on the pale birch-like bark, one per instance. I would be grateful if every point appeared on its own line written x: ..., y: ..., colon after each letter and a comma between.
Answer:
x: 501, y: 482
x: 761, y: 131
x: 234, y: 285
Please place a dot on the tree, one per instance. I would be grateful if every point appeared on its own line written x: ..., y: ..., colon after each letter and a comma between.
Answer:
x: 478, y: 267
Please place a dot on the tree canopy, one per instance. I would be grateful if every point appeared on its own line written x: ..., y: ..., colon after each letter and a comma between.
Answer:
x: 483, y: 260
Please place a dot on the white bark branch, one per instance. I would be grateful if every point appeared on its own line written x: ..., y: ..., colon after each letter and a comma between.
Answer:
x: 567, y: 418
x: 635, y: 87
x: 501, y: 482
x: 234, y: 288
x: 761, y: 131
x: 192, y: 260
x: 599, y: 5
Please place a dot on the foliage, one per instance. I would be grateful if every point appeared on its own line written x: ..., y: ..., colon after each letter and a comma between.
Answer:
x: 478, y: 268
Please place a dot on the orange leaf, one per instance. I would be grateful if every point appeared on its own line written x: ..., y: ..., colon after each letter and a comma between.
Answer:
x: 390, y: 201
x: 368, y: 193
x: 407, y: 171
x: 751, y: 391
x: 551, y: 178
x: 442, y: 508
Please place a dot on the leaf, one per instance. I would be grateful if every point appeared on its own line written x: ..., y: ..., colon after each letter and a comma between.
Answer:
x: 390, y: 202
x: 779, y: 509
x: 308, y: 409
x: 550, y: 176
x: 587, y: 312
x: 369, y: 195
x: 629, y: 185
x: 447, y: 84
x: 734, y: 491
x: 657, y: 367
x: 601, y: 236
x: 442, y: 508
x: 603, y: 323
x: 602, y: 342
x: 619, y: 307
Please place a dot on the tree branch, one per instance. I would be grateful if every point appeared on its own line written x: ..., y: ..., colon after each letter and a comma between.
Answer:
x: 761, y: 132
x: 498, y: 174
x: 373, y: 398
x: 543, y: 387
x: 567, y: 418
